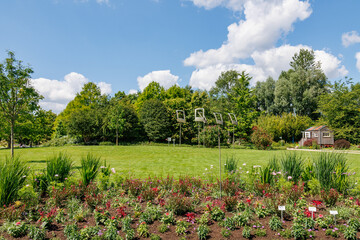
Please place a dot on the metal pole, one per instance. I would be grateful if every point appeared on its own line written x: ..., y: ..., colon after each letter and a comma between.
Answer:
x: 180, y: 135
x: 219, y: 158
x: 198, y: 134
x: 233, y: 138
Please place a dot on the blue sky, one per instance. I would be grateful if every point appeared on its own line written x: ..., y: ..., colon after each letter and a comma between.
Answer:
x: 125, y: 44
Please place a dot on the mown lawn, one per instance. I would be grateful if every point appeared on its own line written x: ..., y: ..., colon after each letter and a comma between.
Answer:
x: 145, y: 160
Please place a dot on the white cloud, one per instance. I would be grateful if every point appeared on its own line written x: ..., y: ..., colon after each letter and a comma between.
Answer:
x: 357, y: 56
x: 57, y: 94
x: 235, y: 5
x: 133, y: 91
x: 164, y: 78
x: 350, y: 38
x: 265, y: 22
x: 255, y: 38
x: 267, y: 63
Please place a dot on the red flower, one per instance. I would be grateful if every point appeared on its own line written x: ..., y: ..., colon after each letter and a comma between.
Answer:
x: 18, y: 223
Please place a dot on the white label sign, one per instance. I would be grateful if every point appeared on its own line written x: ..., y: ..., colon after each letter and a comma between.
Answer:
x: 169, y: 139
x: 281, y: 208
x: 312, y: 209
x: 333, y: 212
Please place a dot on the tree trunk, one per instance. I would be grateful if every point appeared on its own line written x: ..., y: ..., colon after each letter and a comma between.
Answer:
x: 117, y: 137
x: 12, y: 139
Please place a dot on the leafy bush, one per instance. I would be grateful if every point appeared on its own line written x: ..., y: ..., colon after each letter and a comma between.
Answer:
x: 261, y: 138
x: 275, y: 223
x: 58, y: 167
x: 246, y: 233
x: 58, y: 142
x: 209, y: 136
x: 36, y: 233
x: 350, y: 233
x: 179, y: 204
x: 341, y: 144
x: 15, y: 229
x: 89, y: 168
x: 13, y: 174
x: 330, y: 197
x: 202, y: 231
x: 308, y: 142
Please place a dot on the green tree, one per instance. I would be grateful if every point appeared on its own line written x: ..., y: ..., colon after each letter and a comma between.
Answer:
x: 17, y: 96
x: 340, y: 110
x: 152, y: 91
x: 265, y: 94
x: 155, y: 119
x: 298, y: 90
x: 244, y: 105
x: 115, y: 119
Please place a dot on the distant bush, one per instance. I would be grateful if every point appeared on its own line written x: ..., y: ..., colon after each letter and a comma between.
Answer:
x: 106, y: 144
x: 209, y: 136
x: 261, y: 138
x: 58, y: 142
x: 341, y: 144
x: 309, y: 142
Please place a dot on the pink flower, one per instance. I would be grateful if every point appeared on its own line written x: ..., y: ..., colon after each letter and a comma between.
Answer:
x: 18, y: 223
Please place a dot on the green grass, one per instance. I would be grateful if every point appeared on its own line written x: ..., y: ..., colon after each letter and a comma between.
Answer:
x: 145, y: 160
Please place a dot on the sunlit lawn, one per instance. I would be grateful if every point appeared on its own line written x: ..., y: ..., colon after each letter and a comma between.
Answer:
x: 145, y: 160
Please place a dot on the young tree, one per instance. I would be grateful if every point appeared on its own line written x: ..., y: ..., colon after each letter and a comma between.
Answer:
x: 17, y: 96
x: 115, y: 119
x: 154, y: 117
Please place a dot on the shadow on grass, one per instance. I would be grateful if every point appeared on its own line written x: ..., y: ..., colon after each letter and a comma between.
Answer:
x: 37, y: 161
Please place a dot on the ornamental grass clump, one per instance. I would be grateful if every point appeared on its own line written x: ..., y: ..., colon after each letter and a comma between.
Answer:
x: 89, y: 168
x: 291, y: 165
x: 13, y: 173
x: 58, y: 167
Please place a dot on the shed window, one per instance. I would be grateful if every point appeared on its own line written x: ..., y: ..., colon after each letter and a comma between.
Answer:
x: 307, y: 134
x: 326, y: 134
x: 315, y: 134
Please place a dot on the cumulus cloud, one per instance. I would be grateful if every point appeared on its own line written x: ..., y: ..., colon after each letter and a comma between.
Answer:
x: 357, y: 56
x: 255, y: 37
x: 163, y: 77
x: 350, y: 38
x: 267, y: 63
x: 57, y: 94
x: 265, y: 22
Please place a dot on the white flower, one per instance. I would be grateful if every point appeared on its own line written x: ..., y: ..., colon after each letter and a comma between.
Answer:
x: 27, y: 185
x: 205, y: 169
x: 289, y: 177
x: 278, y: 172
x: 225, y: 164
x: 240, y: 168
x: 256, y: 166
x: 24, y: 176
x: 244, y: 164
x: 56, y: 175
x: 211, y: 166
x: 247, y: 171
x: 113, y: 170
x: 273, y: 173
x: 102, y: 167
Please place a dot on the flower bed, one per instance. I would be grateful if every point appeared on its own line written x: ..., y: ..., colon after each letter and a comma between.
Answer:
x: 187, y: 208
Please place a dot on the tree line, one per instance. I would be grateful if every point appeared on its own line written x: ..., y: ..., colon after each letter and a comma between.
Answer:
x: 299, y: 98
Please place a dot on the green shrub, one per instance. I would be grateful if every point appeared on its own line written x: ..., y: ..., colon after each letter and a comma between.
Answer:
x: 89, y: 168
x: 209, y: 136
x: 202, y: 231
x: 36, y: 233
x: 350, y: 233
x: 15, y: 229
x: 275, y: 223
x: 13, y: 173
x: 261, y: 138
x: 246, y: 233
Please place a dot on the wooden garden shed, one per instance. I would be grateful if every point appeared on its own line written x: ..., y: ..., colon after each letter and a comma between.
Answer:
x: 322, y: 134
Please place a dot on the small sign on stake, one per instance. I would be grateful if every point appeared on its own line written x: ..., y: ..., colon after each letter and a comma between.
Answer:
x: 334, y: 213
x: 312, y: 210
x: 281, y: 209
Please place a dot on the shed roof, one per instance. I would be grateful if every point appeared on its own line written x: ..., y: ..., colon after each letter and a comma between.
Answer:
x: 315, y: 128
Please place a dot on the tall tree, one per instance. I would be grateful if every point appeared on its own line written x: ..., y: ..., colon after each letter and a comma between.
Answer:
x: 115, y: 119
x: 340, y: 109
x: 265, y: 94
x: 154, y: 117
x: 298, y: 90
x: 17, y: 96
